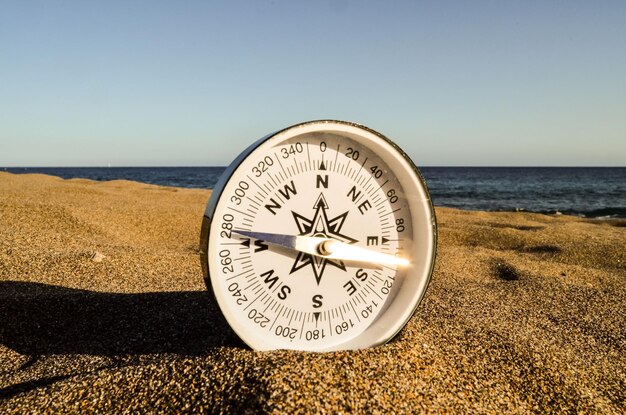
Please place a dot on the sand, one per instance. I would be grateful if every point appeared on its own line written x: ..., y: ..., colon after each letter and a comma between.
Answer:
x: 103, y: 309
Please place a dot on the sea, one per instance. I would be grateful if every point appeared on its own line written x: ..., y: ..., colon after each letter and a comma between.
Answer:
x: 592, y: 192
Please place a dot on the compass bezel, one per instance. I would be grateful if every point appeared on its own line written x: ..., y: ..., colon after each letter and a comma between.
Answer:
x: 392, y: 320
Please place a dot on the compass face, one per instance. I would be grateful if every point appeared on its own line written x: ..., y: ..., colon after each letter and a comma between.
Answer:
x: 319, y: 237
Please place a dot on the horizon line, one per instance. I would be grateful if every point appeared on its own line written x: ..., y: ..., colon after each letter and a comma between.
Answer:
x: 226, y: 165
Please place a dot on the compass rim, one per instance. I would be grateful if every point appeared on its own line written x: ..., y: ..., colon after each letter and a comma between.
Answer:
x: 227, y: 175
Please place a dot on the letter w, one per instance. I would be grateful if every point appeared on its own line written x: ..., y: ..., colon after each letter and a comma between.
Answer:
x: 289, y: 188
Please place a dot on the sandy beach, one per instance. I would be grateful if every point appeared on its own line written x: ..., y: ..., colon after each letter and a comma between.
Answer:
x: 103, y: 309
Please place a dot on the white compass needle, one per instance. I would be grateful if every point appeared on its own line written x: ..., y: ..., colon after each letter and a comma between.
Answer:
x: 338, y: 250
x: 326, y: 248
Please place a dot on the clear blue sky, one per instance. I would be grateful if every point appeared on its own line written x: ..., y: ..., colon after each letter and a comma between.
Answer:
x: 155, y: 83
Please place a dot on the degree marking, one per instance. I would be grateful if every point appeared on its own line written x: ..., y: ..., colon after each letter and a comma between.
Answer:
x: 265, y: 298
x: 336, y: 155
x: 355, y: 313
x: 368, y: 180
x: 246, y: 269
x: 257, y: 185
x: 243, y: 213
x: 272, y: 179
x: 376, y: 199
x: 253, y: 301
x: 330, y: 326
x: 235, y: 276
x: 250, y: 277
x: 308, y: 154
x: 259, y: 290
x: 252, y: 285
x: 277, y: 287
x: 302, y: 329
x: 254, y: 202
x: 276, y: 318
x: 361, y: 297
x: 371, y: 289
x: 382, y: 185
x: 389, y: 268
x: 380, y: 203
x: 378, y: 295
x: 393, y: 211
x: 359, y: 172
x: 281, y: 164
x: 280, y: 199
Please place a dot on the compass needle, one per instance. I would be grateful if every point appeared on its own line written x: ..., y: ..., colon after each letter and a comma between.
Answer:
x: 343, y: 251
x: 327, y: 248
x: 319, y: 237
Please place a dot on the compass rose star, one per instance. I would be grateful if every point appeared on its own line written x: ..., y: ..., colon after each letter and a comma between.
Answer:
x: 320, y: 226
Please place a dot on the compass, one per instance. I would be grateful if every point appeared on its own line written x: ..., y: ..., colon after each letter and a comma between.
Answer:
x: 319, y: 237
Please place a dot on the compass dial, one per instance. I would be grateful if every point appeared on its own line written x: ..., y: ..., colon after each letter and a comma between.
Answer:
x: 319, y: 237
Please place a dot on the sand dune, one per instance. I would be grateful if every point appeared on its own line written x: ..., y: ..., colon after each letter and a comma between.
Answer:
x: 103, y: 308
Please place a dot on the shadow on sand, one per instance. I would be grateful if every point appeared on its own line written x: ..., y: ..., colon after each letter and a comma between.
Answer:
x: 41, y: 319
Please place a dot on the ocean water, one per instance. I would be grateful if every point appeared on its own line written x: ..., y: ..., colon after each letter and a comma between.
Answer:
x: 595, y: 192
